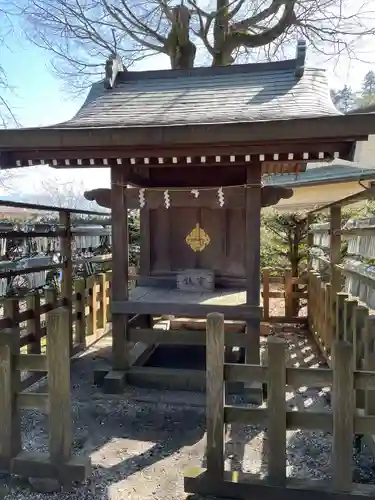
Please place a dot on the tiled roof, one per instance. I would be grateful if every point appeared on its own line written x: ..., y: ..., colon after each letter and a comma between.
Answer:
x: 337, y: 171
x: 240, y: 93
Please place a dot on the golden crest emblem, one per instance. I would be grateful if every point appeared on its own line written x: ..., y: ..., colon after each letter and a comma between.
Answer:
x: 197, y: 239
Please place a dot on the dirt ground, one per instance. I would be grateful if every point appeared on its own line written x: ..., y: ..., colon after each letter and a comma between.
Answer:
x: 141, y: 445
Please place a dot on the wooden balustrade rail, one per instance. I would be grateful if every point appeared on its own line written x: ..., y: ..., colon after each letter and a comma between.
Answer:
x: 90, y: 315
x: 291, y: 289
x: 58, y: 463
x: 344, y: 421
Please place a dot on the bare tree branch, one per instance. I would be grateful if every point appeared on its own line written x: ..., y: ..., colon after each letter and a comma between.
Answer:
x: 7, y: 114
x: 81, y: 34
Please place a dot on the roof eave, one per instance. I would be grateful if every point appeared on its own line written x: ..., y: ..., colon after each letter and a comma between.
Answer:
x: 345, y: 127
x: 321, y: 182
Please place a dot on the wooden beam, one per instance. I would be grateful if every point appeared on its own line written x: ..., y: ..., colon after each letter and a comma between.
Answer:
x: 181, y: 337
x: 138, y: 180
x: 167, y: 378
x: 31, y: 362
x: 127, y: 307
x: 234, y: 197
x: 33, y: 401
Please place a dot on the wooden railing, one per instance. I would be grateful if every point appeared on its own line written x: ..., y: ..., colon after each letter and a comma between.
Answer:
x: 344, y: 421
x: 90, y: 314
x: 58, y: 463
x: 341, y: 284
x: 333, y: 316
x: 280, y: 284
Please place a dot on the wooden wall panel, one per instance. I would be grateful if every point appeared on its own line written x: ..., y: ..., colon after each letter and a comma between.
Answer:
x: 159, y: 238
x: 183, y: 220
x: 225, y: 254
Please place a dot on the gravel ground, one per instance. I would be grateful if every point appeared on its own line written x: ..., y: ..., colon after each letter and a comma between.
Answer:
x: 141, y: 445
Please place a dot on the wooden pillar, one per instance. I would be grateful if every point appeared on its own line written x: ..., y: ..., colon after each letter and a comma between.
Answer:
x: 310, y: 241
x: 33, y: 325
x: 80, y: 302
x: 252, y: 262
x: 120, y: 265
x: 67, y: 272
x: 343, y: 409
x: 58, y: 362
x: 276, y: 410
x: 215, y: 395
x: 335, y: 258
x: 145, y: 251
x: 335, y: 247
x: 10, y: 423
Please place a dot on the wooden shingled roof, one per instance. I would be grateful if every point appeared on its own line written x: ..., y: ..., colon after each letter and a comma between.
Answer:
x: 279, y: 114
x: 218, y: 95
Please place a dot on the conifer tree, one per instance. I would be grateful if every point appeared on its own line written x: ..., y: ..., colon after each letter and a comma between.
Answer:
x: 344, y: 99
x: 367, y: 96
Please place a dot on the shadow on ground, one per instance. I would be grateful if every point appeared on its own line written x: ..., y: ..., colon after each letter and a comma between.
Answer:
x: 141, y: 445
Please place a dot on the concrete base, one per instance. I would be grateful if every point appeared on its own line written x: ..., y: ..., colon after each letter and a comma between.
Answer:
x: 114, y: 382
x: 253, y: 393
x: 172, y: 367
x: 34, y: 464
x: 243, y: 486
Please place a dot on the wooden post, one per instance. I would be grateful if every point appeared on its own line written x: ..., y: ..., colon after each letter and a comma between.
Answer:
x: 324, y: 312
x: 80, y: 303
x: 33, y: 325
x: 10, y: 423
x: 51, y: 296
x: 343, y: 408
x: 310, y: 240
x: 359, y: 317
x: 108, y: 295
x: 93, y: 304
x: 252, y: 238
x: 311, y: 301
x: 335, y: 247
x: 276, y: 410
x: 340, y: 322
x: 369, y: 361
x: 102, y: 312
x: 335, y: 257
x: 144, y: 222
x: 288, y: 291
x: 330, y: 319
x: 266, y: 293
x: 120, y: 265
x: 58, y: 363
x: 67, y: 271
x: 215, y: 394
x: 349, y: 308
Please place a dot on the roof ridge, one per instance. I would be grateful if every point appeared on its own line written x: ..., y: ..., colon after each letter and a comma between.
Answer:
x: 297, y: 64
x: 127, y: 76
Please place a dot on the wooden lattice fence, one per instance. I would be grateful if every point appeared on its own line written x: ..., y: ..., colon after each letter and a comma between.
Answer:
x: 357, y: 265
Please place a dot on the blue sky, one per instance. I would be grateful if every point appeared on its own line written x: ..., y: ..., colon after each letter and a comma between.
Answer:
x: 38, y: 99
